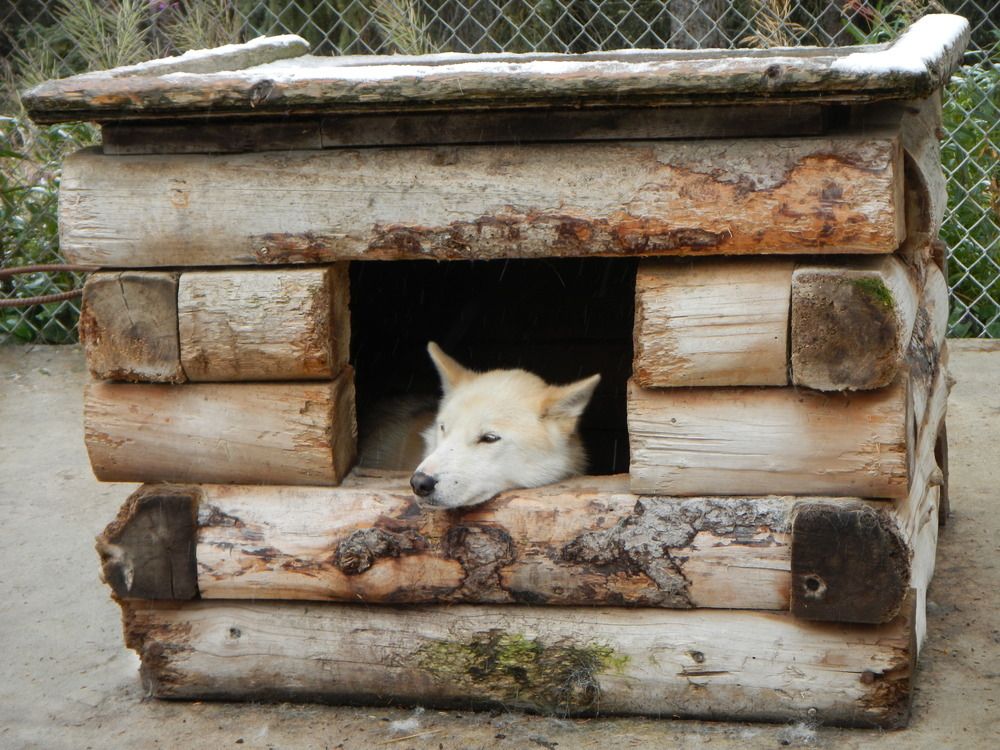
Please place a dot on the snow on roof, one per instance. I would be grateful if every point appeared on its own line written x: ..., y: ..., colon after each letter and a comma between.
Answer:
x: 914, y: 52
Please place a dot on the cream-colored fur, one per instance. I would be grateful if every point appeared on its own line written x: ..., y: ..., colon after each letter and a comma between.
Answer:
x: 499, y: 430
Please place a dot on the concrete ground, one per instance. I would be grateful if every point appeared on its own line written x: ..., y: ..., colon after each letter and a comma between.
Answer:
x: 67, y: 681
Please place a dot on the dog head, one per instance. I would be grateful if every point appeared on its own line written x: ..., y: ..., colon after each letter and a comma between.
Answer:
x: 498, y: 430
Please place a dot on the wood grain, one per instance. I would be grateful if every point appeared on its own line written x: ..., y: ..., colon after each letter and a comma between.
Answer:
x: 756, y: 441
x: 709, y: 664
x: 851, y: 323
x: 586, y: 542
x: 284, y: 433
x: 712, y: 322
x: 911, y: 67
x: 128, y: 326
x: 819, y: 195
x: 264, y: 324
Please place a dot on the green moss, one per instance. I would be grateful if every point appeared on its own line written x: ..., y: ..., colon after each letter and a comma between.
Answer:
x: 508, y: 667
x: 876, y: 289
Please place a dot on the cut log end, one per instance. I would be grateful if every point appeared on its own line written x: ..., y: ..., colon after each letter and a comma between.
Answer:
x: 148, y: 551
x: 128, y: 327
x: 850, y: 325
x: 850, y: 563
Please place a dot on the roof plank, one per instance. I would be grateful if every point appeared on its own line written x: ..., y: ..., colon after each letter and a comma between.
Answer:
x: 917, y: 63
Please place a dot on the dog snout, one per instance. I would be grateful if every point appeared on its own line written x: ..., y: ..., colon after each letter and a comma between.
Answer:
x: 422, y: 484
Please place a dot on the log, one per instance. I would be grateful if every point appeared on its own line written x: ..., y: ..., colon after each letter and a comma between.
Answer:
x: 818, y: 195
x: 147, y: 551
x: 586, y: 541
x: 756, y: 441
x: 215, y: 135
x: 267, y: 324
x: 919, y: 124
x: 712, y: 322
x: 851, y: 323
x: 278, y: 433
x: 916, y: 64
x: 708, y: 664
x: 583, y: 542
x: 128, y: 326
x: 898, y: 548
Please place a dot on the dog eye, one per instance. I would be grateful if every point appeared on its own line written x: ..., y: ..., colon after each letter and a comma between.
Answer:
x: 488, y: 437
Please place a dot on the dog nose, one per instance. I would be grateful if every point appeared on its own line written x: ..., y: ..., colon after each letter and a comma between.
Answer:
x: 422, y: 484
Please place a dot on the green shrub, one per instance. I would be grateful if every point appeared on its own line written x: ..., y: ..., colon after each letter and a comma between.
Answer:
x: 971, y: 159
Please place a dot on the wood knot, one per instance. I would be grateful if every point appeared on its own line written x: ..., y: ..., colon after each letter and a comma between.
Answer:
x: 260, y: 92
x: 365, y: 547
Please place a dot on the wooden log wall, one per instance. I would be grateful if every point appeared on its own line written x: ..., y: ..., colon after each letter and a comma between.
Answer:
x: 708, y: 664
x: 271, y: 433
x: 750, y: 441
x: 734, y: 321
x: 829, y: 194
x: 128, y: 326
x: 234, y: 325
x: 585, y: 542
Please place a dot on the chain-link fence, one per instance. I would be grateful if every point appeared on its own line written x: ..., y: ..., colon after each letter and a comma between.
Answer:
x: 59, y: 37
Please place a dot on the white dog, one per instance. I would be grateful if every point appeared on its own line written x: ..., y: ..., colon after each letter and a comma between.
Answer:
x: 498, y: 430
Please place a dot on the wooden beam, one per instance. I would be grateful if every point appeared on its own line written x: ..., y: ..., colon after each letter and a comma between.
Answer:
x: 916, y: 64
x: 585, y: 541
x: 209, y: 135
x: 214, y: 135
x: 277, y: 433
x: 851, y: 323
x: 708, y: 664
x: 817, y: 195
x: 128, y: 326
x: 755, y: 441
x: 712, y: 322
x: 265, y: 324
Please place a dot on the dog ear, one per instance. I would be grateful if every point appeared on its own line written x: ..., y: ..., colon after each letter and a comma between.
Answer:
x: 569, y: 401
x: 451, y: 372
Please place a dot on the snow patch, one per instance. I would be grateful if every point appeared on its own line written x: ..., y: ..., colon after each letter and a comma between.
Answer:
x: 921, y: 46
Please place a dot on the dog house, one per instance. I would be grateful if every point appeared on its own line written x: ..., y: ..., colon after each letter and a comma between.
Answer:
x: 743, y: 242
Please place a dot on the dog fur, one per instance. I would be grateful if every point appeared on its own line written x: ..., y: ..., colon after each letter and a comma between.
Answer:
x: 496, y: 431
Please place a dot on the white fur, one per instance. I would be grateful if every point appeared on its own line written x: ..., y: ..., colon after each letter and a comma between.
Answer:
x: 535, y: 422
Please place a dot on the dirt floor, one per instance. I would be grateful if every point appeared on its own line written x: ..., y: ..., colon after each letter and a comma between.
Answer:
x: 66, y: 680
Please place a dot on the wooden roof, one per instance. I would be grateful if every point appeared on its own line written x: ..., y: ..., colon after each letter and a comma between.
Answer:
x: 275, y: 76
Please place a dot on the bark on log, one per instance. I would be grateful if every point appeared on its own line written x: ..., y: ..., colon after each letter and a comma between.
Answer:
x: 128, y: 327
x: 582, y: 542
x: 819, y: 195
x: 273, y: 324
x: 712, y: 322
x: 756, y: 441
x: 851, y: 323
x: 567, y: 661
x: 277, y: 433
